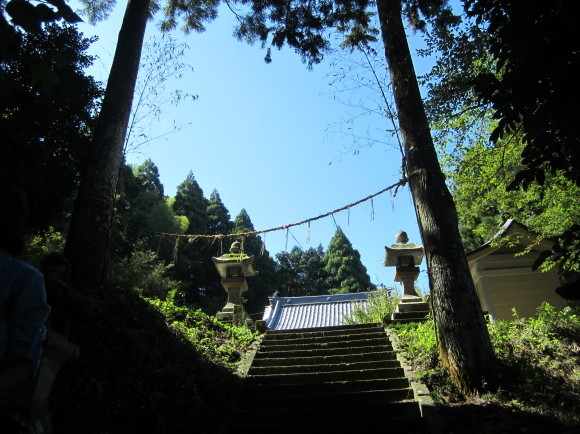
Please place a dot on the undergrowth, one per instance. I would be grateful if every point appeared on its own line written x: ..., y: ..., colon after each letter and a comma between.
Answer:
x: 379, y: 305
x: 539, y: 370
x: 148, y: 366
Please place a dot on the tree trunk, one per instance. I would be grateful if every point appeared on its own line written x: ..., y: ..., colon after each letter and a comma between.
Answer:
x: 464, y: 344
x: 89, y: 235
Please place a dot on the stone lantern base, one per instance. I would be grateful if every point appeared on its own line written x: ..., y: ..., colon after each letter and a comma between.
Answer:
x: 233, y: 314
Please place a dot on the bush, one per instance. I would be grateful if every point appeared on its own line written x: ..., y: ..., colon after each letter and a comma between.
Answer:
x: 43, y: 244
x: 218, y: 342
x: 144, y: 272
x: 539, y: 361
x: 380, y: 304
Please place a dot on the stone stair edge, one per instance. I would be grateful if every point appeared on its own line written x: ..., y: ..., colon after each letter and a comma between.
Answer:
x: 319, y: 352
x: 329, y: 328
x: 317, y: 360
x: 296, y: 378
x: 420, y: 390
x: 325, y: 367
x: 323, y: 336
x: 282, y: 399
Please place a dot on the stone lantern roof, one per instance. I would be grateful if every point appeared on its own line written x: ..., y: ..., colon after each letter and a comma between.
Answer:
x: 403, y: 249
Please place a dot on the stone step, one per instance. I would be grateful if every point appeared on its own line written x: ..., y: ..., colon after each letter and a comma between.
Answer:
x: 410, y: 315
x: 334, y: 367
x: 385, y: 411
x: 322, y: 360
x: 322, y: 377
x: 379, y: 425
x: 325, y: 387
x: 411, y: 299
x: 324, y: 399
x: 282, y: 346
x: 344, y: 329
x: 313, y: 351
x: 307, y: 339
x: 413, y: 307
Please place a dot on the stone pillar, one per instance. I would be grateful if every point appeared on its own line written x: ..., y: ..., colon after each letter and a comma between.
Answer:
x: 407, y: 277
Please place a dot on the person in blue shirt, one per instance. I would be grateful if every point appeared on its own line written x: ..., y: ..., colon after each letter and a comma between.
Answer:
x: 23, y: 307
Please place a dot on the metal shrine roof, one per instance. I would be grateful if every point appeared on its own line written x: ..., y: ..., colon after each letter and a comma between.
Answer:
x: 286, y: 313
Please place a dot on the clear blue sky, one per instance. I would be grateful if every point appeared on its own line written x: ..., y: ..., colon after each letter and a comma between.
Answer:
x: 269, y: 138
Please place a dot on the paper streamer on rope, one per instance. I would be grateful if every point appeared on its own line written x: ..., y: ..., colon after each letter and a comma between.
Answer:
x: 175, y: 249
x: 192, y: 238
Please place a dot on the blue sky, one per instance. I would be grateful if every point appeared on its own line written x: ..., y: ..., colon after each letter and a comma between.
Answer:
x: 274, y: 139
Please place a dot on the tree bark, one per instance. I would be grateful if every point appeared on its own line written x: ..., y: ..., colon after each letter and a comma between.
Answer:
x: 89, y: 234
x: 464, y: 344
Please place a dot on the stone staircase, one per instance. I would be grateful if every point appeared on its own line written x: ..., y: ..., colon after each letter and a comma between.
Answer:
x: 411, y: 309
x: 327, y: 379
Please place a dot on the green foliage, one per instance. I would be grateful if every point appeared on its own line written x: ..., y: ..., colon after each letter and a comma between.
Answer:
x: 539, y: 362
x: 31, y: 16
x: 479, y: 89
x: 343, y: 266
x: 542, y: 354
x: 480, y: 174
x: 301, y: 272
x: 47, y: 107
x: 190, y: 202
x: 304, y: 25
x: 176, y: 365
x: 218, y: 342
x: 219, y: 216
x: 144, y: 272
x: 43, y: 244
x: 380, y: 305
x: 536, y: 54
x: 141, y: 206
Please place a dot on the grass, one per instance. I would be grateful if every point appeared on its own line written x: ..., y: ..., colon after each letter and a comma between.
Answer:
x: 539, y: 371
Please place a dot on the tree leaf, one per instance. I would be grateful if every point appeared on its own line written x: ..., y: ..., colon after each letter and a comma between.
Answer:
x: 541, y: 259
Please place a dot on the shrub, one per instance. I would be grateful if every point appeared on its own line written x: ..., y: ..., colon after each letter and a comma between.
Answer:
x: 380, y: 304
x: 144, y: 272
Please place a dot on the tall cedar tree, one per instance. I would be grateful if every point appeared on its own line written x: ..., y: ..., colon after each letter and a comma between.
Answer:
x: 191, y: 203
x: 142, y: 205
x: 464, y: 344
x: 192, y: 262
x: 89, y: 235
x: 344, y: 269
x: 302, y: 273
x: 220, y: 221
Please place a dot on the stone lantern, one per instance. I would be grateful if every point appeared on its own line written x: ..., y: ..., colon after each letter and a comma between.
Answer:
x: 233, y: 268
x: 406, y: 257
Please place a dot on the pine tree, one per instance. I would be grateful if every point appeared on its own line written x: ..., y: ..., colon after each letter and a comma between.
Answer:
x: 190, y: 202
x: 345, y: 271
x: 219, y: 217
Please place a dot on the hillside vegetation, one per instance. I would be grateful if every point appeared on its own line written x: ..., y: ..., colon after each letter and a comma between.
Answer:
x: 539, y: 374
x: 147, y: 365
